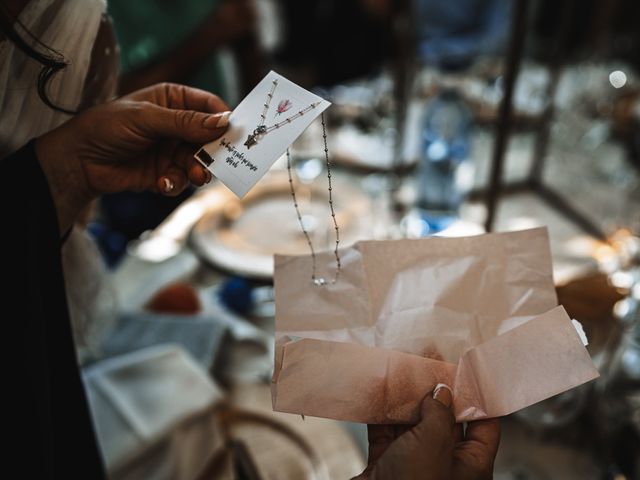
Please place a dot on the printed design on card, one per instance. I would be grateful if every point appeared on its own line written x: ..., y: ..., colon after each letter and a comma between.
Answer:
x: 283, y: 106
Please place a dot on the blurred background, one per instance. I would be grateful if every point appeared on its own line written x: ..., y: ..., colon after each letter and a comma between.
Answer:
x: 448, y: 118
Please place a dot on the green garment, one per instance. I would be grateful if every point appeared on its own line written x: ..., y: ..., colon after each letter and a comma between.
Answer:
x: 148, y: 30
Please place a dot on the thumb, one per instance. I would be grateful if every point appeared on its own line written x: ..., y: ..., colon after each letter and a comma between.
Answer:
x: 426, y: 450
x: 186, y: 125
x: 437, y: 423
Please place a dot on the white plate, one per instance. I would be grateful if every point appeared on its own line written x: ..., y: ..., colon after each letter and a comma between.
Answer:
x: 242, y: 235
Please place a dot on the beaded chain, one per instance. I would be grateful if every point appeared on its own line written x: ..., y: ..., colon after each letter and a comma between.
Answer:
x: 318, y: 281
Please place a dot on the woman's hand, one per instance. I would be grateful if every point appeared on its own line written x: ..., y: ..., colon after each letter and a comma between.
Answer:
x: 434, y: 449
x: 144, y: 141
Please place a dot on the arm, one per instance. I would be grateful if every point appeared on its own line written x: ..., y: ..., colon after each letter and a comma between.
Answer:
x: 140, y: 142
x: 50, y: 429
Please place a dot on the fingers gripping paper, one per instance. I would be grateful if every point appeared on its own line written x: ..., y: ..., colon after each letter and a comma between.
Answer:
x: 477, y: 313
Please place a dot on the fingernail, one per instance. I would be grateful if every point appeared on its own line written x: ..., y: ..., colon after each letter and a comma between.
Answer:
x: 219, y: 120
x: 443, y: 394
x: 168, y: 185
x: 209, y: 176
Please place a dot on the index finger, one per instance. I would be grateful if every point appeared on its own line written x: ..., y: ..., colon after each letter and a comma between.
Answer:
x: 188, y: 98
x: 180, y: 97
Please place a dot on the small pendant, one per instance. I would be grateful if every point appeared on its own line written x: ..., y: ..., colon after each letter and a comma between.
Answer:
x: 251, y: 140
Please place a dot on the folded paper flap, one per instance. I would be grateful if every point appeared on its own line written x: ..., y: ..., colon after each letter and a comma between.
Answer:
x: 346, y: 381
x: 353, y: 382
x: 532, y: 362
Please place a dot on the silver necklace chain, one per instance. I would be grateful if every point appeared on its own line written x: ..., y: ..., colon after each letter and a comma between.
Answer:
x: 291, y: 118
x: 263, y: 115
x: 318, y: 281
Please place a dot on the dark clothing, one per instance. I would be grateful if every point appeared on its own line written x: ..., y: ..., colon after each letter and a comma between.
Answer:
x: 50, y: 432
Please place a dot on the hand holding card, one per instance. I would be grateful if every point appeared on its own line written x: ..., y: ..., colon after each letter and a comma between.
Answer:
x: 262, y: 127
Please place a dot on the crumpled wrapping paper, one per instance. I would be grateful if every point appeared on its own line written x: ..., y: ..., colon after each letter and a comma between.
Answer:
x: 477, y: 313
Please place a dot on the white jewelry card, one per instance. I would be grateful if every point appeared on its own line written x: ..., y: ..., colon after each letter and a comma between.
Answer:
x: 261, y: 128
